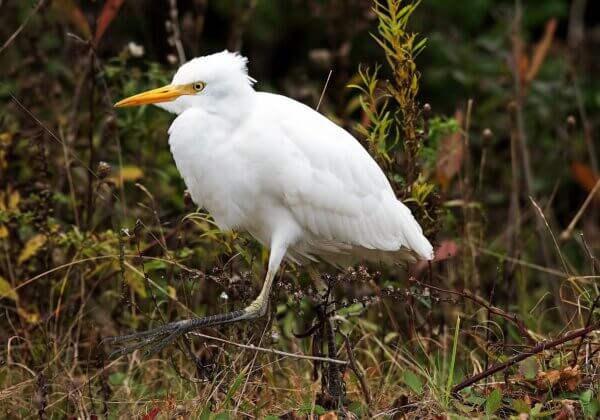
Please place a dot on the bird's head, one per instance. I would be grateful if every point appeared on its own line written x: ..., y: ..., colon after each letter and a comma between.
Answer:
x: 205, y: 82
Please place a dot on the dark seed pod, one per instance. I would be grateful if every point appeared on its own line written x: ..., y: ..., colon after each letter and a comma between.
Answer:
x: 187, y: 199
x: 103, y: 170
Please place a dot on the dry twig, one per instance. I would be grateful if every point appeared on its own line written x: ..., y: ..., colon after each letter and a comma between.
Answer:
x: 272, y: 351
x: 567, y: 232
x: 20, y: 28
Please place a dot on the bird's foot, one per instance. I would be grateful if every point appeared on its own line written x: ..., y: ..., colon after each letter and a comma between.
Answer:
x: 156, y: 339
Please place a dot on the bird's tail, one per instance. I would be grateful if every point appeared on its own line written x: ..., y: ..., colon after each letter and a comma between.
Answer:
x: 413, y: 234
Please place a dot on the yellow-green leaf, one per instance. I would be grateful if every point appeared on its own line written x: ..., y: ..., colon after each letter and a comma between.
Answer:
x: 136, y: 282
x: 29, y: 317
x: 6, y: 138
x: 31, y: 248
x: 13, y: 200
x: 3, y: 231
x: 131, y: 173
x: 127, y: 174
x: 6, y: 290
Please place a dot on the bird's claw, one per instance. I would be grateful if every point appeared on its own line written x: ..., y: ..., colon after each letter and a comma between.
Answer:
x: 158, y: 338
x: 154, y: 340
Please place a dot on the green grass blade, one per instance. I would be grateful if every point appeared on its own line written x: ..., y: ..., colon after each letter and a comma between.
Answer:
x: 452, y: 360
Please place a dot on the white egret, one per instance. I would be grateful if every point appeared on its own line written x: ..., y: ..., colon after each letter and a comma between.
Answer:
x: 271, y: 166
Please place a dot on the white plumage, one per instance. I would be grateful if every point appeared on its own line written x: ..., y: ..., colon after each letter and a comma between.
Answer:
x: 266, y: 163
x: 269, y: 165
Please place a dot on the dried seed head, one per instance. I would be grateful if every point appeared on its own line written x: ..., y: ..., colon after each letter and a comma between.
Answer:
x: 172, y: 59
x: 571, y: 123
x: 136, y: 50
x: 103, y: 170
x: 426, y: 111
x: 487, y: 136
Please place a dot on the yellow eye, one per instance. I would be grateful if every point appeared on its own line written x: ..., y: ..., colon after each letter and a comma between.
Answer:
x: 198, y: 86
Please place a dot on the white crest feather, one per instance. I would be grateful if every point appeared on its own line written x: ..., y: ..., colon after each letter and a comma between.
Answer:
x: 210, y: 67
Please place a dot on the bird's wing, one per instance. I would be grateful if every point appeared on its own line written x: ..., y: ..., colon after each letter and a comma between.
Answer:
x: 336, y: 190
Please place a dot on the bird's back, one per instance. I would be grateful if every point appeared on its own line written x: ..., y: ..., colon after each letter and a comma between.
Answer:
x: 336, y: 191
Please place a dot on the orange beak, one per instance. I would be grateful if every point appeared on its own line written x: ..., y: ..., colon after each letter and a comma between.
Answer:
x: 163, y: 94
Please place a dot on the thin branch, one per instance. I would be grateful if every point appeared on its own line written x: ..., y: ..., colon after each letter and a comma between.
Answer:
x: 523, y: 263
x: 20, y: 28
x: 543, y: 218
x: 354, y: 366
x: 567, y: 232
x: 587, y: 324
x: 545, y: 345
x: 272, y: 351
x: 482, y: 302
x: 324, y: 89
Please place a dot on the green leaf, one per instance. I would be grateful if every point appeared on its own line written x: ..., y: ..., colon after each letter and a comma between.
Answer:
x: 205, y: 414
x: 589, y: 404
x: 117, y: 378
x: 536, y: 410
x: 419, y: 47
x: 520, y: 406
x: 236, y: 384
x: 155, y: 265
x: 319, y: 410
x: 586, y: 396
x: 358, y: 409
x: 529, y: 368
x: 476, y: 400
x: 493, y: 402
x: 467, y: 409
x: 307, y: 408
x: 354, y: 309
x: 413, y: 382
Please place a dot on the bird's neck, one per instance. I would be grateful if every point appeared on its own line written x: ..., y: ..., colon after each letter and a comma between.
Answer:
x: 213, y: 120
x: 235, y: 106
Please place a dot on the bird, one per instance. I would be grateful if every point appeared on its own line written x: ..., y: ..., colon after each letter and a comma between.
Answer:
x: 273, y: 167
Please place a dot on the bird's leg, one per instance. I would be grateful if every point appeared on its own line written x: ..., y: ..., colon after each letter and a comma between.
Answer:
x: 156, y: 339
